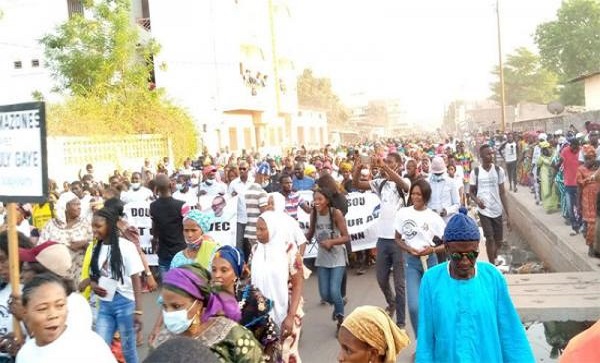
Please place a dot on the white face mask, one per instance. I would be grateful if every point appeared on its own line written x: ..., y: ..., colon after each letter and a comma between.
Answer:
x: 177, y: 321
x: 136, y: 186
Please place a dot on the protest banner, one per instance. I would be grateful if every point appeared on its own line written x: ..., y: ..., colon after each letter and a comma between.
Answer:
x: 223, y: 227
x: 362, y: 216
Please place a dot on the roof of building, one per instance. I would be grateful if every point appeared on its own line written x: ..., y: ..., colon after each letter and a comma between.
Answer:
x: 584, y: 76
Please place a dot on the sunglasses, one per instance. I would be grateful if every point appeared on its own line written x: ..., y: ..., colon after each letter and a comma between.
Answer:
x: 243, y: 168
x: 457, y: 256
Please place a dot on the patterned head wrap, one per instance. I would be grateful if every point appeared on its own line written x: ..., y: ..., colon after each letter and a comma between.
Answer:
x: 373, y: 326
x: 193, y: 280
x: 233, y: 256
x: 202, y: 219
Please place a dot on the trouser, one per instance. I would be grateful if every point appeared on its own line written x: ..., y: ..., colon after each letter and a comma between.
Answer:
x: 389, y: 255
x: 164, y: 264
x: 573, y: 207
x: 118, y: 315
x: 414, y: 273
x: 493, y: 232
x: 330, y: 287
x: 511, y: 169
x: 240, y: 242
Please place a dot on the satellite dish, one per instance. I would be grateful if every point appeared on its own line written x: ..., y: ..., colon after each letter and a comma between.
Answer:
x: 555, y: 108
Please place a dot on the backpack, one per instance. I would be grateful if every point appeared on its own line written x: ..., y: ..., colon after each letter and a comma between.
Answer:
x: 477, y: 176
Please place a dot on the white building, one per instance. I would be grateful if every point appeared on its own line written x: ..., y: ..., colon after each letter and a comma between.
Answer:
x: 592, y: 90
x: 230, y: 63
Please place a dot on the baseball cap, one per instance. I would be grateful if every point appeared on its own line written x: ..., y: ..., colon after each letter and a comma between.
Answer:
x: 208, y: 169
x: 52, y: 255
x: 263, y: 168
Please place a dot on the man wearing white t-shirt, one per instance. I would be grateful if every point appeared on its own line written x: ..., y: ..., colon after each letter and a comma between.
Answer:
x: 390, y: 189
x: 510, y: 153
x: 487, y: 191
x: 137, y: 193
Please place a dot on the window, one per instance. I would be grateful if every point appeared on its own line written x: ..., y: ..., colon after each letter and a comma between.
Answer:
x: 35, y: 63
x: 74, y: 7
x: 18, y: 65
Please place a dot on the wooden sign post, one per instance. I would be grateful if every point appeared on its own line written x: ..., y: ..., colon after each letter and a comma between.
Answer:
x: 24, y: 170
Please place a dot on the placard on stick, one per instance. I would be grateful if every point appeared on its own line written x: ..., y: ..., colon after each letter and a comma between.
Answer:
x: 23, y: 172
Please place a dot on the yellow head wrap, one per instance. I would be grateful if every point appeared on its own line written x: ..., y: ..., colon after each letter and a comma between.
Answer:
x: 373, y: 326
x: 345, y: 166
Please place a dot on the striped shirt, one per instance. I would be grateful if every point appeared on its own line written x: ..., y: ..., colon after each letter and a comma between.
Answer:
x: 292, y: 202
x: 255, y: 197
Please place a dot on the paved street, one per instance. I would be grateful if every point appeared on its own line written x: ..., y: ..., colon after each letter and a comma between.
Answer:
x: 318, y: 343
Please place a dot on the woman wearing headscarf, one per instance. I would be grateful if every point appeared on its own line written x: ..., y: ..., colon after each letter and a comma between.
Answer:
x: 369, y: 335
x: 276, y: 272
x: 69, y: 228
x: 191, y: 308
x: 229, y: 273
x: 200, y: 246
x: 548, y: 190
x: 588, y: 190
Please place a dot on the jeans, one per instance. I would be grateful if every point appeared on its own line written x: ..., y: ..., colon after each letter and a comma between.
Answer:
x: 414, y: 274
x: 330, y: 287
x: 240, y: 242
x: 389, y: 255
x: 163, y: 266
x: 118, y: 314
x: 573, y: 207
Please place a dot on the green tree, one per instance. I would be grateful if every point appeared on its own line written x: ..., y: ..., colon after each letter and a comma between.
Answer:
x: 317, y: 93
x: 570, y: 45
x: 104, y: 69
x: 525, y: 79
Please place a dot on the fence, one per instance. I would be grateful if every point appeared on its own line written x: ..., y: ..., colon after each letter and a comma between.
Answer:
x: 67, y: 156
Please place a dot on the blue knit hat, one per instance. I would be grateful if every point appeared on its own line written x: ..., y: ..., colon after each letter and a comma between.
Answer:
x: 461, y: 227
x: 263, y: 168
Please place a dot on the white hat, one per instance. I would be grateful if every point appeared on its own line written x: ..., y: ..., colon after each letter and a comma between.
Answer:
x: 542, y: 137
x: 558, y: 132
x: 438, y: 165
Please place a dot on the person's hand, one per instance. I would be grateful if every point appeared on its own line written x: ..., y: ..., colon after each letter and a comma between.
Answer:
x: 15, y: 307
x: 153, y: 335
x: 426, y: 251
x: 151, y: 283
x: 137, y: 322
x: 78, y: 245
x: 379, y: 162
x: 327, y: 244
x: 287, y: 326
x: 83, y: 284
x: 443, y: 213
x: 97, y: 289
x: 10, y: 345
x: 480, y: 204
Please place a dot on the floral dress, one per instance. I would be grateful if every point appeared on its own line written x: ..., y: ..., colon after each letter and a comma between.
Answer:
x: 58, y: 231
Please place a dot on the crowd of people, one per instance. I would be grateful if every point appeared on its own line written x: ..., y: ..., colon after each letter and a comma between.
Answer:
x: 84, y: 270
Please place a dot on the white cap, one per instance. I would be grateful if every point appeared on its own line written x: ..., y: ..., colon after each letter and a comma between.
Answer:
x: 542, y: 137
x: 558, y: 132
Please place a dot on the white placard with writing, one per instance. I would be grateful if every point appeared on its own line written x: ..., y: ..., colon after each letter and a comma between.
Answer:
x: 23, y: 163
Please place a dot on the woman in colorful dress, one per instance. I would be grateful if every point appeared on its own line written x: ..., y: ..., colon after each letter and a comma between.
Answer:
x: 589, y: 187
x: 70, y: 229
x: 229, y: 273
x: 548, y: 191
x: 191, y: 308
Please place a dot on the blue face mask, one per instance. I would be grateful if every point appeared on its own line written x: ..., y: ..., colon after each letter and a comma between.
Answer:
x: 177, y: 322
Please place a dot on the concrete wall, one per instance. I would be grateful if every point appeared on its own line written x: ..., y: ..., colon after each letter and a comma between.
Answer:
x: 592, y: 93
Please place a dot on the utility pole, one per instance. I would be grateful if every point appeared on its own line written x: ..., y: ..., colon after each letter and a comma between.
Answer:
x: 502, y: 99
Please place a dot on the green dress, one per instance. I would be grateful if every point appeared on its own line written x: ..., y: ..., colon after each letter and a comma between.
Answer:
x: 548, y: 190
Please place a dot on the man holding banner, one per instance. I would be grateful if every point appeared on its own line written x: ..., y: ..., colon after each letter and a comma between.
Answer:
x: 390, y: 188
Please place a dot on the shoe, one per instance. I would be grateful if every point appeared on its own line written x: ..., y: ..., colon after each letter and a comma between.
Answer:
x: 574, y: 233
x: 361, y: 271
x: 515, y: 189
x: 390, y: 310
x: 345, y: 300
x: 340, y: 320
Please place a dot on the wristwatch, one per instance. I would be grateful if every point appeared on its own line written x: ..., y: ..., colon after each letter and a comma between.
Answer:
x: 148, y: 273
